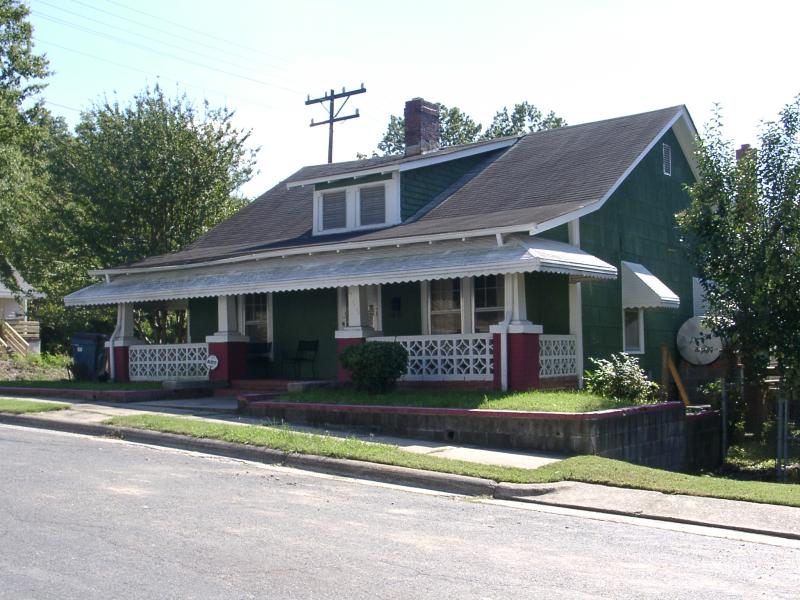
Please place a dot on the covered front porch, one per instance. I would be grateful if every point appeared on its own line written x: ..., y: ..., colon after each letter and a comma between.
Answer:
x: 502, y: 314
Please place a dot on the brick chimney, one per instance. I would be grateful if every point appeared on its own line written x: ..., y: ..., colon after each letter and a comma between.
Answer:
x: 742, y: 151
x: 422, y: 126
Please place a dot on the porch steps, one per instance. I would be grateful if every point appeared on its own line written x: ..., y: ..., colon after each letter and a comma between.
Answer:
x: 271, y: 387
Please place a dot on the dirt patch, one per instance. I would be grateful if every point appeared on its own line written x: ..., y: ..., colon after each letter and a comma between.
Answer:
x: 15, y: 369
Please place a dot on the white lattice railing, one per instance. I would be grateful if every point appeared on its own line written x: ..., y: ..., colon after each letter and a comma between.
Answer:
x: 457, y: 357
x: 168, y: 362
x: 557, y: 356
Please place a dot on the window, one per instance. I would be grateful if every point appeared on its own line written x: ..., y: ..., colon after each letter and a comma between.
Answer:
x: 334, y: 210
x: 372, y: 205
x: 255, y: 317
x: 633, y: 330
x: 666, y: 151
x: 489, y: 302
x: 357, y: 206
x: 445, y: 306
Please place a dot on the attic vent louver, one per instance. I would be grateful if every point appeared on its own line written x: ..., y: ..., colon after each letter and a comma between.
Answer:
x: 667, y: 152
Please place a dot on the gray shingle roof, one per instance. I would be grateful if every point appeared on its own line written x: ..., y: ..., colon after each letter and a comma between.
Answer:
x: 542, y: 176
x: 335, y: 170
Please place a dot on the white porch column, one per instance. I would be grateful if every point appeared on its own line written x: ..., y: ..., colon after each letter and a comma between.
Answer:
x: 467, y: 305
x: 123, y: 335
x: 516, y: 305
x: 227, y: 322
x: 576, y: 305
x: 357, y: 317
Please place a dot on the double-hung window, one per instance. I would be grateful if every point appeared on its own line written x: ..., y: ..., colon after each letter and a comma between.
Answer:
x: 256, y: 317
x: 445, y: 308
x: 489, y: 302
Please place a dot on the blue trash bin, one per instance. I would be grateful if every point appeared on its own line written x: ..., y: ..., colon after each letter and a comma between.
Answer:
x: 88, y: 352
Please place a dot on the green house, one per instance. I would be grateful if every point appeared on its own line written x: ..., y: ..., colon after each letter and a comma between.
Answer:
x: 504, y: 263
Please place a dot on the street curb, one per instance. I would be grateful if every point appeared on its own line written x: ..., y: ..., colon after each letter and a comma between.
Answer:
x: 443, y: 482
x: 528, y: 493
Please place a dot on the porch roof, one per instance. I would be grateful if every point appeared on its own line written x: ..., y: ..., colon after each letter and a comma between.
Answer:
x: 471, y: 257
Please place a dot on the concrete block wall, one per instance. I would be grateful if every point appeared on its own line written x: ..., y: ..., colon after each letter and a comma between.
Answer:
x: 653, y: 435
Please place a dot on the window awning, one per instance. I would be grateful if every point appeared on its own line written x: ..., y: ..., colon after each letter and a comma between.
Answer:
x: 642, y: 289
x: 420, y: 262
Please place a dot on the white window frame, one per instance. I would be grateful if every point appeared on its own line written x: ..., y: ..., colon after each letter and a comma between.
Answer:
x: 353, y: 210
x: 464, y: 317
x: 666, y: 159
x: 641, y: 348
x: 487, y: 309
x: 241, y: 301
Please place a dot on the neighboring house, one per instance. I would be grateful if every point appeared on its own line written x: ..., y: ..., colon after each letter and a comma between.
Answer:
x: 17, y: 333
x: 503, y: 263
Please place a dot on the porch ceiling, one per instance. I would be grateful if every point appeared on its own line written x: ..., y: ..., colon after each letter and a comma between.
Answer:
x: 472, y: 257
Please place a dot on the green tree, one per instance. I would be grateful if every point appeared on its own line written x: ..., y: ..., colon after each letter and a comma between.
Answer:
x: 743, y: 229
x: 133, y: 181
x: 459, y: 128
x: 456, y: 128
x: 24, y: 125
x: 524, y: 118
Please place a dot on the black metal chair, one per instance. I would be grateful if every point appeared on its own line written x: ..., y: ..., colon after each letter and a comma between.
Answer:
x: 306, y: 353
x: 259, y: 356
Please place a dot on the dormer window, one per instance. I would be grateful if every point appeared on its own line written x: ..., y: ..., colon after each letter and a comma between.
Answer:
x: 366, y: 206
x: 334, y: 210
x: 372, y: 205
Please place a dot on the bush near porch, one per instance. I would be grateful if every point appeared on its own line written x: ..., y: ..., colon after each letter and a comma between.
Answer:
x: 541, y: 401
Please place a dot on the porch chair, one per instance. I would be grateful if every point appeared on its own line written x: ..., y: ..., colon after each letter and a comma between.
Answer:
x: 259, y: 356
x: 306, y: 353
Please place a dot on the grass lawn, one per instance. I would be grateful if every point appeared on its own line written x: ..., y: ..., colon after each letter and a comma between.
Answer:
x: 18, y: 407
x: 545, y: 401
x: 80, y: 385
x: 589, y: 469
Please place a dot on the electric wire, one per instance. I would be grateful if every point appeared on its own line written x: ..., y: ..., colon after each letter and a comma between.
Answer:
x: 216, y: 49
x: 165, y: 54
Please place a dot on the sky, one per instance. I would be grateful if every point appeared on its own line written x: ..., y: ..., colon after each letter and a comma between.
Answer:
x: 584, y: 60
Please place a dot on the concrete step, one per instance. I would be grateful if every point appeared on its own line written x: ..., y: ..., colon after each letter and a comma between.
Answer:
x: 261, y: 385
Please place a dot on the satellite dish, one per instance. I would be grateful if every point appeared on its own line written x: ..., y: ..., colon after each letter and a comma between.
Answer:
x: 697, y: 344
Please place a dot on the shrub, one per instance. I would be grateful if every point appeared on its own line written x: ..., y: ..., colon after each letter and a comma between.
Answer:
x: 375, y: 366
x: 621, y: 378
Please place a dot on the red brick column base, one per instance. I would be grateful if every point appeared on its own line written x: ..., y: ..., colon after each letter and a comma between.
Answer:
x: 523, y: 361
x: 232, y: 358
x: 121, y: 372
x: 343, y: 375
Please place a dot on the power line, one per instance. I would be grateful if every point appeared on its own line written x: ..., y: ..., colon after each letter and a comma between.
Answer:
x: 77, y: 110
x: 61, y: 21
x: 159, y: 30
x: 160, y: 53
x: 156, y: 75
x: 196, y: 31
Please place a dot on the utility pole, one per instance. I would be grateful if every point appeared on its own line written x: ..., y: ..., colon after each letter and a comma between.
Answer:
x: 333, y: 116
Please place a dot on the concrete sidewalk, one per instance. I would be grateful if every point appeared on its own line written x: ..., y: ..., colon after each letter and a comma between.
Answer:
x: 781, y: 521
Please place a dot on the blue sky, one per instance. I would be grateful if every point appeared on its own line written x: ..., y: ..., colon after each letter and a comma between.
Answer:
x: 585, y: 60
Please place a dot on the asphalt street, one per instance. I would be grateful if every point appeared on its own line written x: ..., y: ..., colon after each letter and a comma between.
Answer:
x: 88, y: 518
